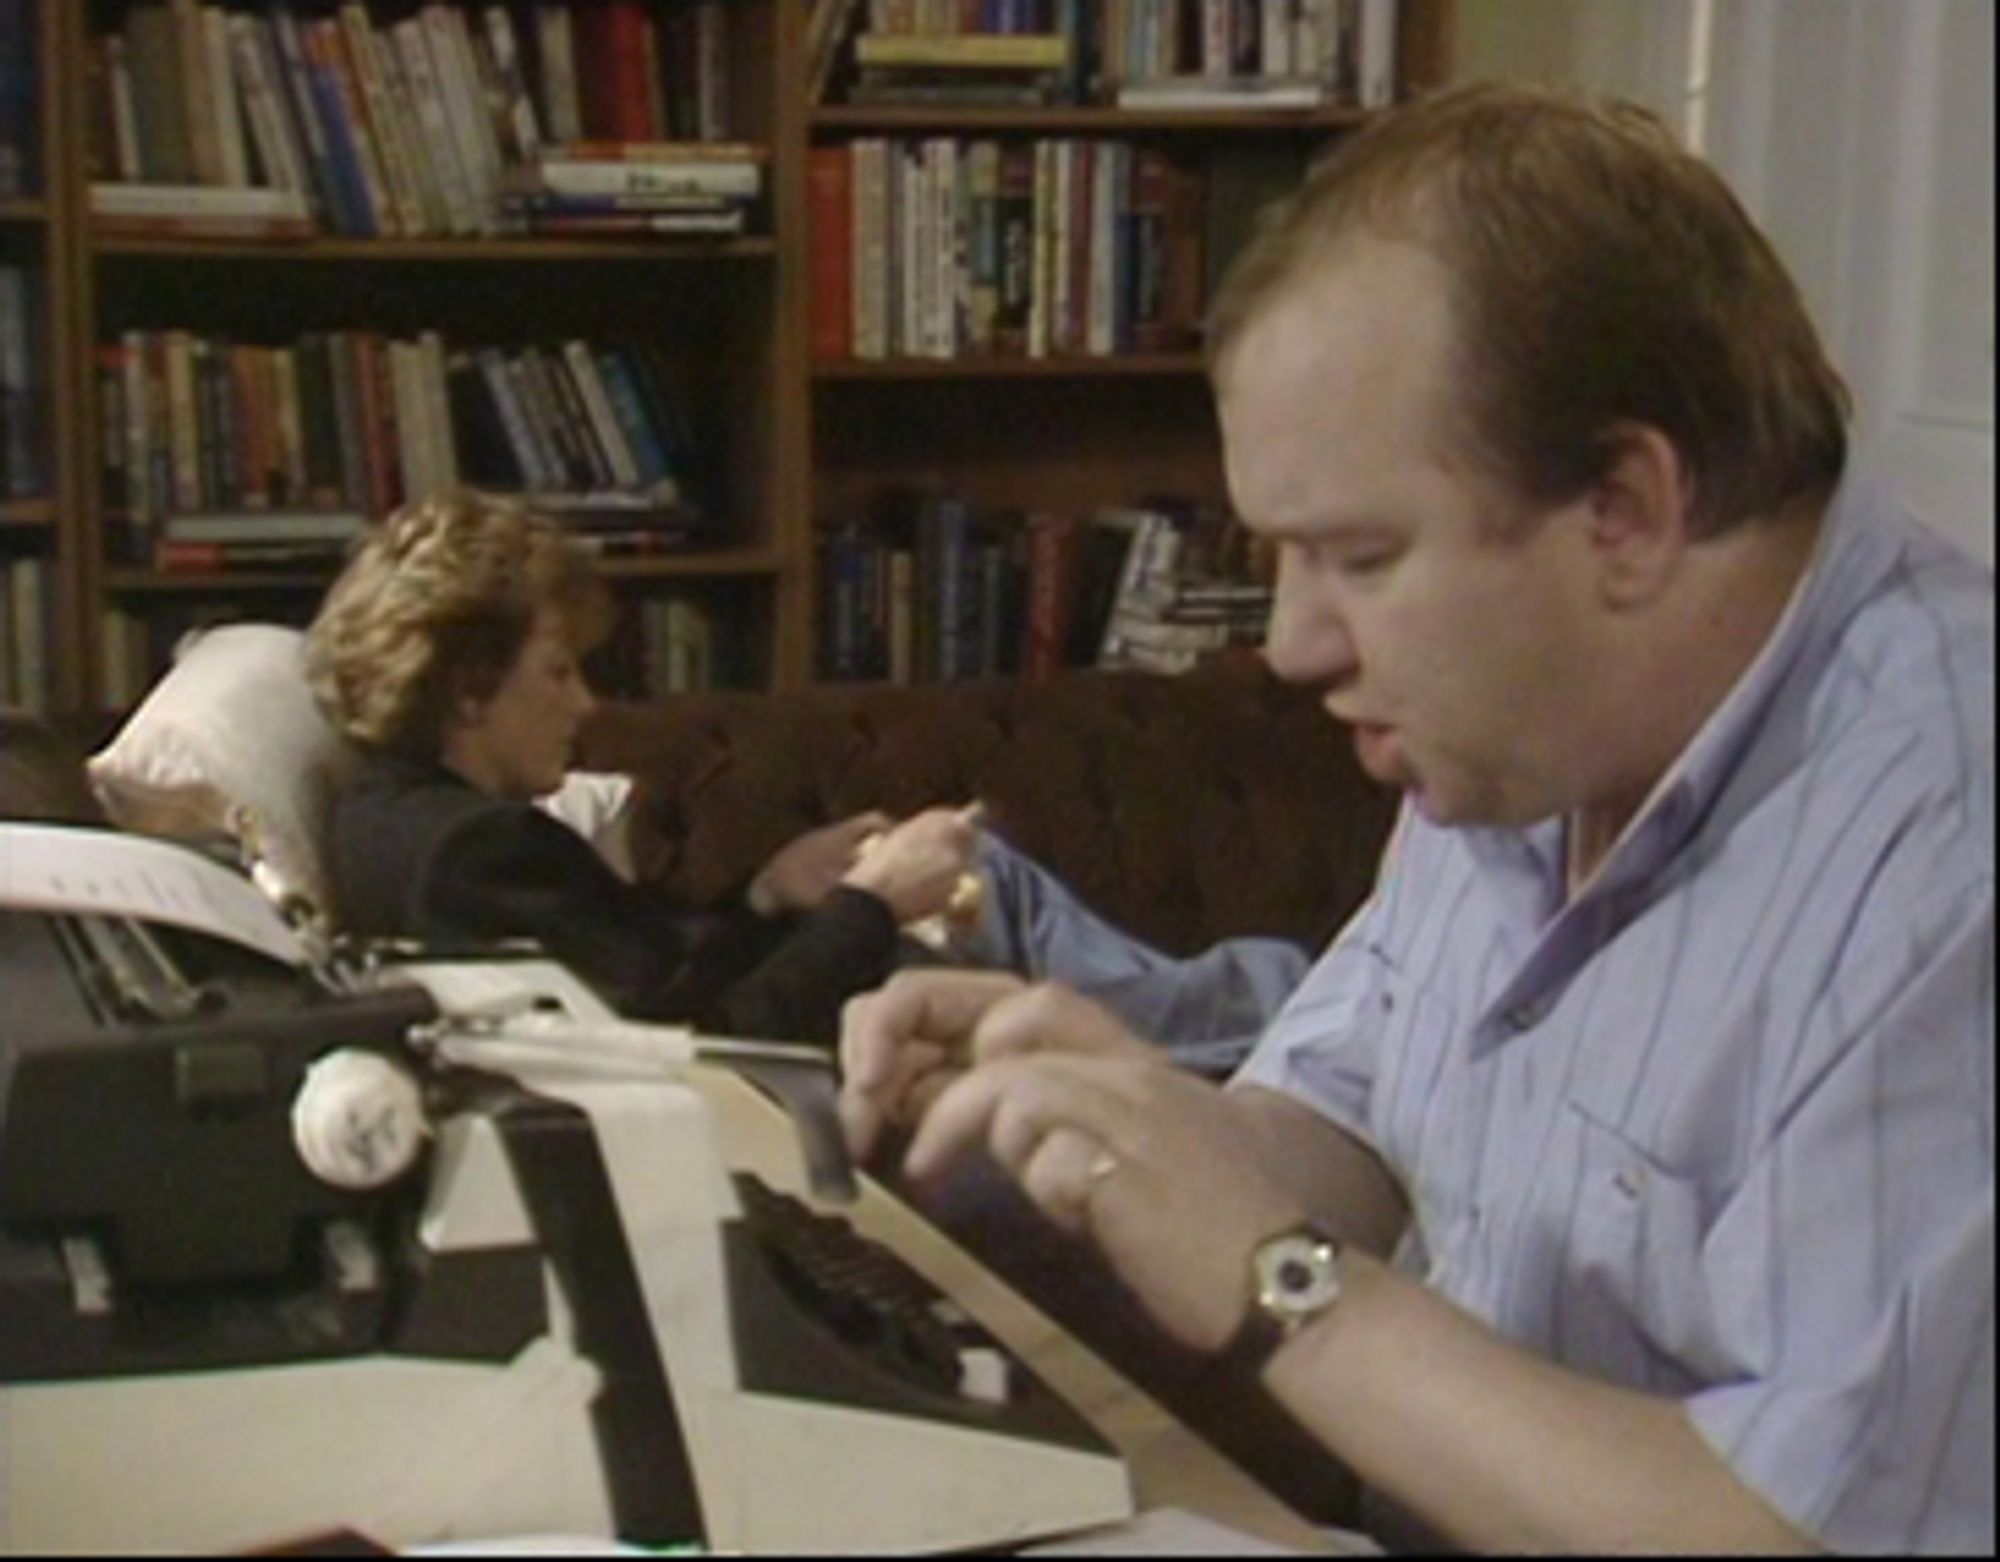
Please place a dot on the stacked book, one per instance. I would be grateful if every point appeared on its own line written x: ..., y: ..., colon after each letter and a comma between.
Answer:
x: 965, y: 69
x: 1218, y: 56
x: 1191, y: 585
x: 1175, y: 55
x: 283, y: 121
x: 223, y: 454
x: 942, y: 248
x: 616, y: 189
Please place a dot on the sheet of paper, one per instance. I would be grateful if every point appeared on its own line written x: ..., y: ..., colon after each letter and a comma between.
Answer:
x: 52, y: 867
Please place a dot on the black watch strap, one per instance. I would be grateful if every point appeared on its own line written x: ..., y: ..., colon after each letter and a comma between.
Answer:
x: 1294, y: 1278
x: 1250, y: 1348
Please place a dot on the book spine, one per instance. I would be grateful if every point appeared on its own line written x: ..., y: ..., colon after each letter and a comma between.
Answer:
x: 271, y: 135
x: 109, y: 364
x: 649, y: 450
x: 183, y: 428
x: 556, y: 50
x: 433, y: 210
x: 440, y: 140
x: 506, y: 395
x: 364, y: 69
x: 870, y: 248
x: 331, y: 153
x: 830, y: 204
x: 524, y: 130
x: 459, y: 98
x: 437, y: 408
x: 562, y: 176
x: 1375, y: 54
x: 157, y: 97
x: 583, y: 370
x: 198, y: 94
x: 326, y: 51
x: 226, y: 100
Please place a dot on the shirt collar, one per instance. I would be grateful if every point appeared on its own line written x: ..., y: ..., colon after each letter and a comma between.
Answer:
x: 1855, y: 548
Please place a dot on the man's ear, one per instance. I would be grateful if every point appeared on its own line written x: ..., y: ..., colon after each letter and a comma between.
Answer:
x: 1640, y: 515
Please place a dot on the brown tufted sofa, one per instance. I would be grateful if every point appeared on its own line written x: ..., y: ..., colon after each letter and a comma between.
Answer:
x: 1185, y: 809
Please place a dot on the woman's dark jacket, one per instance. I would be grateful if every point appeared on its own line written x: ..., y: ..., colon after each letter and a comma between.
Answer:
x: 418, y: 852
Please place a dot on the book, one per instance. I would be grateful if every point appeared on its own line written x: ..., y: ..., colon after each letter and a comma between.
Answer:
x: 1226, y: 94
x: 830, y: 212
x: 159, y: 103
x: 737, y: 179
x: 974, y: 51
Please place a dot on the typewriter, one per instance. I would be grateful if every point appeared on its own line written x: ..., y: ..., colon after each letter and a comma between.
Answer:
x: 446, y: 1251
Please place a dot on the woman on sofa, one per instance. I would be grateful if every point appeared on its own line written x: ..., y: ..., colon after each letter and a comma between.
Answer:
x: 449, y: 653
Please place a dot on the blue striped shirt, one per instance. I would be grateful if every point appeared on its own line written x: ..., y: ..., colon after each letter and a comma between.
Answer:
x: 1722, y: 1127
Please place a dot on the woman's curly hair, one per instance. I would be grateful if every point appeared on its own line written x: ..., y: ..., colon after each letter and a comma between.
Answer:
x: 434, y: 607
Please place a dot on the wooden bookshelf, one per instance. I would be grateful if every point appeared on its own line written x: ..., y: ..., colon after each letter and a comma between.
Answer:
x: 796, y: 445
x: 705, y: 309
x: 1070, y: 429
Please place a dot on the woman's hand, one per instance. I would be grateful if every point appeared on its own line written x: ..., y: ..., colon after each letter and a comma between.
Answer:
x: 804, y: 872
x: 915, y: 867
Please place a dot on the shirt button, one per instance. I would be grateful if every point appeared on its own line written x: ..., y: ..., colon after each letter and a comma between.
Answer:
x: 1525, y: 1016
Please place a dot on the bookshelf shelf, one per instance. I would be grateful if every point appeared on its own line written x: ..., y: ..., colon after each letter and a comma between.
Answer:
x: 396, y: 252
x: 853, y: 120
x: 24, y: 209
x: 896, y: 370
x: 741, y: 564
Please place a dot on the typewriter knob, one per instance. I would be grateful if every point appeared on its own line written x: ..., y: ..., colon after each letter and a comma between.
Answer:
x: 358, y: 1119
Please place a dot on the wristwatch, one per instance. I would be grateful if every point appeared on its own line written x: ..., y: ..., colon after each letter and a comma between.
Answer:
x: 1294, y: 1278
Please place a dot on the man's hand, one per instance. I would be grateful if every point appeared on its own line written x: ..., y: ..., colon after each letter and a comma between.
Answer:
x: 803, y: 872
x: 915, y: 867
x: 1158, y: 1167
x: 902, y: 1044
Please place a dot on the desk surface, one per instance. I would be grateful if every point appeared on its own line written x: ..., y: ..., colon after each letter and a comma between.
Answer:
x: 1170, y: 1466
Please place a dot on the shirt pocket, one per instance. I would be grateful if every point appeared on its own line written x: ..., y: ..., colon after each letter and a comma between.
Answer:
x: 1638, y: 1302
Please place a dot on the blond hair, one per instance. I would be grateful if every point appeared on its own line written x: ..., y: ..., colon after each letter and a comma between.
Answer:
x: 435, y: 607
x: 1601, y: 275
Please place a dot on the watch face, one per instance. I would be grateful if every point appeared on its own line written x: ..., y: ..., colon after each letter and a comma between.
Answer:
x: 1298, y: 1275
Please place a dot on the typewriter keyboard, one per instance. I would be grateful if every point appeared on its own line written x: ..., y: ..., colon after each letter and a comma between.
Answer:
x: 868, y: 1296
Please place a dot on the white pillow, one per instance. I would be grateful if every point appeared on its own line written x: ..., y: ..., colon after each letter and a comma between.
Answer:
x: 229, y: 743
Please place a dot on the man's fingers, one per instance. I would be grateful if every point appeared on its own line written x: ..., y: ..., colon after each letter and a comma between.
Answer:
x: 1051, y: 1018
x: 914, y: 1077
x: 1009, y: 1106
x: 936, y: 1006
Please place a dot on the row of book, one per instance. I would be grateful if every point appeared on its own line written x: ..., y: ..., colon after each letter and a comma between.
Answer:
x: 19, y: 100
x: 1137, y: 54
x: 24, y: 633
x: 948, y: 591
x: 667, y: 643
x: 220, y: 453
x: 673, y: 642
x: 23, y: 396
x: 441, y: 119
x: 941, y: 248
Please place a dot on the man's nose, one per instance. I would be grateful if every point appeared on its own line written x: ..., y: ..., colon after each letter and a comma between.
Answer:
x: 1307, y: 640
